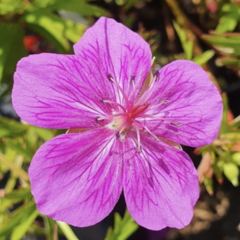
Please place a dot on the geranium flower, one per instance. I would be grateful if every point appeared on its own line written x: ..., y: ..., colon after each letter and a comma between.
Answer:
x: 129, y: 142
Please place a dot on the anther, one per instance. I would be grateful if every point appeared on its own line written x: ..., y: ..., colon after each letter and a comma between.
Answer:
x: 164, y: 101
x: 156, y: 75
x: 98, y: 119
x: 110, y: 78
x: 139, y: 149
x: 104, y: 101
x: 166, y: 113
x: 176, y: 124
x: 120, y: 136
x: 132, y: 78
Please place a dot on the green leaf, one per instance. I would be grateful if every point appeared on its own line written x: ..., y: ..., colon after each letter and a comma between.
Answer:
x: 51, y: 27
x: 11, y: 50
x: 229, y: 20
x: 129, y: 4
x: 224, y: 125
x: 188, y: 49
x: 79, y: 6
x: 235, y: 122
x: 123, y: 228
x: 18, y: 172
x: 19, y: 194
x: 51, y: 228
x: 37, y: 4
x: 208, y: 182
x: 233, y: 135
x: 227, y: 44
x: 231, y: 172
x: 236, y: 158
x: 18, y: 145
x: 22, y: 228
x: 11, y: 6
x: 73, y: 31
x: 229, y: 61
x: 218, y: 173
x: 11, y: 128
x: 5, y: 204
x: 67, y: 231
x: 16, y: 218
x: 204, y: 57
x: 187, y: 45
x: 45, y: 134
x: 11, y: 183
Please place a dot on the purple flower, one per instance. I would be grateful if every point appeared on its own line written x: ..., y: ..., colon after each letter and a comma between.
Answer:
x: 129, y: 142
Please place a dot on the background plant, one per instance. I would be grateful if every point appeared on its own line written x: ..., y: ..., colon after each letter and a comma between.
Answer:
x: 204, y: 31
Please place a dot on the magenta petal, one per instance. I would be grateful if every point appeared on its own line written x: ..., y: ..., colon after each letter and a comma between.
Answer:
x: 160, y: 185
x: 110, y: 48
x: 77, y: 178
x: 192, y: 107
x: 48, y: 92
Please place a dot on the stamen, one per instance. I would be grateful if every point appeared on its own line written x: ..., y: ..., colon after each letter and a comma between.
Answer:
x: 153, y: 116
x: 176, y: 124
x: 139, y: 148
x: 120, y: 136
x: 147, y: 93
x: 156, y: 75
x: 132, y: 78
x: 114, y: 103
x: 120, y: 115
x: 139, y: 109
x: 151, y: 133
x: 110, y: 78
x: 99, y: 119
x: 149, y: 90
x: 133, y: 95
x: 161, y: 102
x: 164, y: 101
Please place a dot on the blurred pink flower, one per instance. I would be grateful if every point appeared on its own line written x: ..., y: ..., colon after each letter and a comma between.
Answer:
x: 212, y: 6
x: 130, y: 141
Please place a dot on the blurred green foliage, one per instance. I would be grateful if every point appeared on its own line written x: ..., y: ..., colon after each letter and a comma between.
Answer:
x: 39, y: 17
x: 26, y: 24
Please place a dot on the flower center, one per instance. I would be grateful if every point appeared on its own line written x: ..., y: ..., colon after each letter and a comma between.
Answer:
x: 138, y: 110
x: 123, y: 117
x: 131, y: 113
x: 123, y: 121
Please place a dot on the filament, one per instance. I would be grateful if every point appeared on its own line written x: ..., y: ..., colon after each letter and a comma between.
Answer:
x: 114, y: 103
x: 120, y: 89
x: 135, y: 124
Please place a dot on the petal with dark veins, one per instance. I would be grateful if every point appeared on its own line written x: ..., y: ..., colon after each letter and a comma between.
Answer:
x: 192, y: 110
x: 77, y: 178
x: 160, y: 184
x: 110, y: 48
